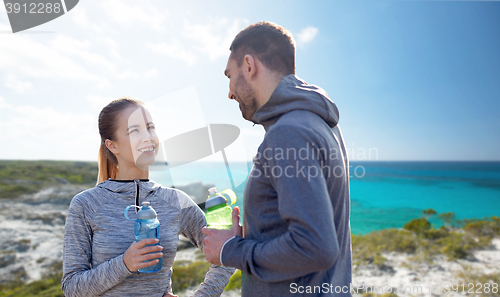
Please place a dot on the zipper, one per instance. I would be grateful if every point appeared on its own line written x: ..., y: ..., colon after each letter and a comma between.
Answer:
x: 136, y: 194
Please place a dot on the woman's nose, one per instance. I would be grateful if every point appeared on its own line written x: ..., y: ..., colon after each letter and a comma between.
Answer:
x: 147, y: 136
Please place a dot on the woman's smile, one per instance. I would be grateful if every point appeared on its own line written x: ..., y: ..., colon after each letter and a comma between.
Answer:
x: 148, y: 149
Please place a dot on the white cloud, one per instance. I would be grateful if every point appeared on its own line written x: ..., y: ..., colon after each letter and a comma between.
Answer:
x: 79, y: 16
x: 19, y: 86
x: 5, y: 27
x: 20, y: 54
x: 177, y: 113
x: 98, y: 102
x: 114, y: 49
x: 213, y: 39
x: 3, y: 104
x: 174, y: 50
x: 31, y: 132
x: 307, y: 35
x: 197, y: 41
x: 84, y: 51
x: 151, y: 73
x: 126, y: 14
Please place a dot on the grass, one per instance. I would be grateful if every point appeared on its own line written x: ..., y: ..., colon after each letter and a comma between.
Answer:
x: 455, y: 239
x: 48, y: 286
x: 486, y: 284
x: 187, y: 274
x: 27, y: 177
x: 234, y: 281
x: 418, y: 239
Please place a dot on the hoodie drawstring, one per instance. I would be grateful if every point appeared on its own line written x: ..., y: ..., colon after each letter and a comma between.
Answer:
x: 136, y: 194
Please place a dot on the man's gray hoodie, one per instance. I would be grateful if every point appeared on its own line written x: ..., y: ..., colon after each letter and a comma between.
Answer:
x: 296, y: 232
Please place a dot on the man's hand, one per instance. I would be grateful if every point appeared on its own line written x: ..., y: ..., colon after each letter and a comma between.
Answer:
x: 216, y: 238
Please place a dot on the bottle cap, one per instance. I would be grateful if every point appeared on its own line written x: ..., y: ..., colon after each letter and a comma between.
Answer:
x: 146, y: 212
x: 214, y: 198
x: 230, y: 196
x: 212, y: 191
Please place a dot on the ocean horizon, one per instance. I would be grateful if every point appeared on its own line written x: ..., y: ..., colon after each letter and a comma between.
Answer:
x: 384, y: 194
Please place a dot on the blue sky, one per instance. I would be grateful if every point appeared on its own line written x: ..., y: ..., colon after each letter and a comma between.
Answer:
x: 413, y: 80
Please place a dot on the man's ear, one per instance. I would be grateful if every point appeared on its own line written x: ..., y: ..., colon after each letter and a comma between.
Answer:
x: 249, y: 67
x: 111, y: 146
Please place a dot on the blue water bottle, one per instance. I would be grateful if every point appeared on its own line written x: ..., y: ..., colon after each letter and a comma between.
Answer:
x: 146, y: 226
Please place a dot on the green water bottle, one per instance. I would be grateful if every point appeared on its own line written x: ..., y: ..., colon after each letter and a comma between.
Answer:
x: 219, y: 212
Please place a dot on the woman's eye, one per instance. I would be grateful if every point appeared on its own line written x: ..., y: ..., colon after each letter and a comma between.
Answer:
x: 135, y: 130
x: 151, y: 127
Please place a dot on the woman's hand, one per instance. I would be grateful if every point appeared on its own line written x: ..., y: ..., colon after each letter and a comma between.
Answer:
x: 137, y: 252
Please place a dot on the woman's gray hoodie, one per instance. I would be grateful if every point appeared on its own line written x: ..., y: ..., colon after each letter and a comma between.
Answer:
x: 97, y: 234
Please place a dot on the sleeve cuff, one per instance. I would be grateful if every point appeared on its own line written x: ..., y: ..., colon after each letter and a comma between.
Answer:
x: 123, y: 266
x: 222, y: 249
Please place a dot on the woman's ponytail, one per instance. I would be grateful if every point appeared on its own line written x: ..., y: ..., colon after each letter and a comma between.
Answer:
x: 107, y: 166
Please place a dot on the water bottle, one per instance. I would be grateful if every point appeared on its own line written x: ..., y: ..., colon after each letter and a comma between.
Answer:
x: 218, y: 210
x: 146, y: 226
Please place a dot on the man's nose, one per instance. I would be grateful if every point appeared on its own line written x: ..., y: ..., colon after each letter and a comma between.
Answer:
x: 231, y: 95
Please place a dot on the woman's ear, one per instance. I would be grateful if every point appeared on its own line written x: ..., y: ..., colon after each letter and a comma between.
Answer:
x: 249, y: 67
x: 111, y: 146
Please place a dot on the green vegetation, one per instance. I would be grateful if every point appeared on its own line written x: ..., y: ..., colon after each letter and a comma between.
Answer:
x: 234, y: 281
x: 423, y: 242
x: 26, y: 177
x: 48, y: 286
x: 187, y: 274
x: 481, y: 282
x: 456, y: 240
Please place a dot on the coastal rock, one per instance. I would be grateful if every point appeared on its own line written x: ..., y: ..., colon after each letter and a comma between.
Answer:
x: 184, y: 243
x: 14, y: 275
x: 49, y: 218
x: 7, y: 258
x: 197, y: 191
x: 411, y: 277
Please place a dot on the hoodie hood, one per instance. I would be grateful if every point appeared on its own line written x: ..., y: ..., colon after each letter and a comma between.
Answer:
x: 128, y: 188
x: 292, y: 93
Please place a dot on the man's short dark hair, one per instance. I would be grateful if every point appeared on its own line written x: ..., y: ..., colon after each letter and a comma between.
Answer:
x: 271, y: 44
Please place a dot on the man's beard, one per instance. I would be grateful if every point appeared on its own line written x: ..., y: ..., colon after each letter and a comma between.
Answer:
x: 246, y: 98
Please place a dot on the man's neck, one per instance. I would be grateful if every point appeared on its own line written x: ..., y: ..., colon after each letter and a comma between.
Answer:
x: 269, y: 83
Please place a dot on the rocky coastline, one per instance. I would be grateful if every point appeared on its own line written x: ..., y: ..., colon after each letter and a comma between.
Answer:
x: 31, y: 240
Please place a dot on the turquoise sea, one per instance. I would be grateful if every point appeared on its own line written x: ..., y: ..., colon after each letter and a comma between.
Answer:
x: 383, y: 194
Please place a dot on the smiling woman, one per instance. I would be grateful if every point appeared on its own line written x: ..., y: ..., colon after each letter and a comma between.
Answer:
x: 100, y: 255
x: 128, y: 138
x: 108, y: 121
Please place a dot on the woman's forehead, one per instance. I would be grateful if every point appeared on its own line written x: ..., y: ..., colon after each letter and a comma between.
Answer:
x: 135, y: 115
